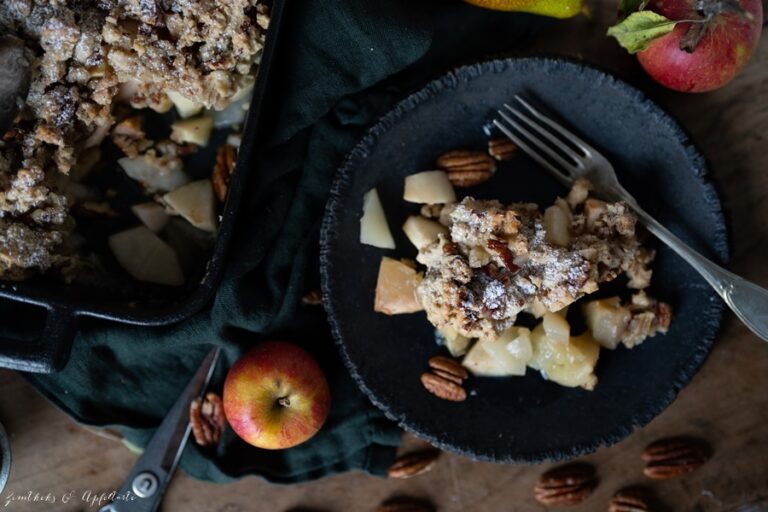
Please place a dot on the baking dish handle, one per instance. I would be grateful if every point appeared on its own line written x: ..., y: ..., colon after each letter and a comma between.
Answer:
x: 49, y: 351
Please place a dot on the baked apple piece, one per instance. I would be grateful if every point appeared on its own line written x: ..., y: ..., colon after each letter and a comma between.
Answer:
x: 607, y: 320
x: 146, y: 257
x: 557, y: 224
x: 422, y: 231
x: 195, y: 131
x: 152, y: 215
x: 429, y: 187
x: 374, y: 229
x: 396, y: 288
x: 569, y: 363
x: 504, y: 356
x: 184, y: 106
x: 155, y: 173
x: 457, y: 344
x: 196, y: 203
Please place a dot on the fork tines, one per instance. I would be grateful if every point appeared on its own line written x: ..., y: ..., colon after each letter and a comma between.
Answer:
x: 554, y: 147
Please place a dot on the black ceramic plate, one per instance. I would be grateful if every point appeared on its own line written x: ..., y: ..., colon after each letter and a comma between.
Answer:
x: 523, y: 418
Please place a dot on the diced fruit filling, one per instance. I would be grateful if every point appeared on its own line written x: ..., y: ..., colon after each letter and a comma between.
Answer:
x: 396, y: 288
x: 486, y: 263
x: 374, y: 229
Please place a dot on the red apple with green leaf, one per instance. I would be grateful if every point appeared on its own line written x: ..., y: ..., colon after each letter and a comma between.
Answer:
x: 691, y: 45
x: 276, y: 396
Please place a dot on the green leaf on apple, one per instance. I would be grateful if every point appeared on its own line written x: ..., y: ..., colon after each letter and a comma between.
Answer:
x: 639, y: 29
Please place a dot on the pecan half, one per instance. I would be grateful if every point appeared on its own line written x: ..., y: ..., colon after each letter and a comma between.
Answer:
x: 450, y: 249
x: 405, y: 504
x: 449, y: 376
x: 504, y: 252
x: 443, y: 388
x: 222, y: 170
x: 206, y: 416
x: 628, y: 500
x: 13, y: 135
x: 312, y: 298
x: 663, y: 317
x: 501, y: 148
x: 414, y: 463
x: 674, y: 456
x: 449, y: 366
x: 467, y: 168
x: 566, y: 485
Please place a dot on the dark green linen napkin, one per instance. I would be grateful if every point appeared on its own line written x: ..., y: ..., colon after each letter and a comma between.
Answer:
x: 341, y: 65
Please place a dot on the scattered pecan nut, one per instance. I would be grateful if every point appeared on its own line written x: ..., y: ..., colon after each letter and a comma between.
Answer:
x: 449, y: 366
x: 14, y: 135
x: 565, y: 485
x: 93, y: 209
x: 628, y: 500
x: 674, y: 456
x: 445, y: 379
x: 222, y: 170
x: 449, y: 376
x: 313, y: 298
x: 443, y: 388
x: 663, y: 317
x: 467, y: 168
x: 206, y: 416
x: 414, y: 463
x: 405, y: 504
x: 505, y: 253
x: 501, y: 148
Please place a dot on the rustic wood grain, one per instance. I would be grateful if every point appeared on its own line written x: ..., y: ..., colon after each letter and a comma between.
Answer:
x: 726, y: 403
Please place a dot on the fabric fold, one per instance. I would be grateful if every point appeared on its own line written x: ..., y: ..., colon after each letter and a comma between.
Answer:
x: 340, y: 66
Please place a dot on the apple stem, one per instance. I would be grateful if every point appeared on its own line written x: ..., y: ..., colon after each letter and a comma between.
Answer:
x: 284, y: 401
x: 708, y: 9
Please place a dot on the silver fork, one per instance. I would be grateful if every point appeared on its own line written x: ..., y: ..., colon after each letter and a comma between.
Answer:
x: 537, y: 135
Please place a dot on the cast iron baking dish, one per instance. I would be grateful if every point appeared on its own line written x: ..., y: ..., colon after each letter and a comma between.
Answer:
x: 127, y: 300
x: 523, y: 419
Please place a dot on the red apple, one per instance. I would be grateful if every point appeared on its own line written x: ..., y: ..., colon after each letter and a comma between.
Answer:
x: 276, y: 396
x: 723, y: 51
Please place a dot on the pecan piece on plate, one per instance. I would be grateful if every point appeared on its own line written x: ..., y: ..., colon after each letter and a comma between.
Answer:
x: 405, y: 504
x: 674, y: 456
x: 449, y: 366
x: 628, y: 500
x: 566, y: 485
x: 445, y: 379
x: 467, y: 168
x: 222, y: 170
x: 206, y: 416
x: 414, y: 463
x: 501, y: 148
x: 443, y: 388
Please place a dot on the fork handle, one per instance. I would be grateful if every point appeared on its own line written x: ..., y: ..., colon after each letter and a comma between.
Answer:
x: 748, y: 300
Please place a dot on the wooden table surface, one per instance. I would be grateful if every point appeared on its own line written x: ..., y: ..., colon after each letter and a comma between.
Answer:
x: 727, y: 402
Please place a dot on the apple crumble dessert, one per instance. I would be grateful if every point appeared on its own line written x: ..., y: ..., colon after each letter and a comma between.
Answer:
x: 486, y: 263
x: 496, y: 261
x: 95, y: 63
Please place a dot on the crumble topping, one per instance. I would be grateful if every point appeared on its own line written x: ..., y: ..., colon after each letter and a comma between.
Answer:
x: 87, y: 55
x: 498, y: 261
